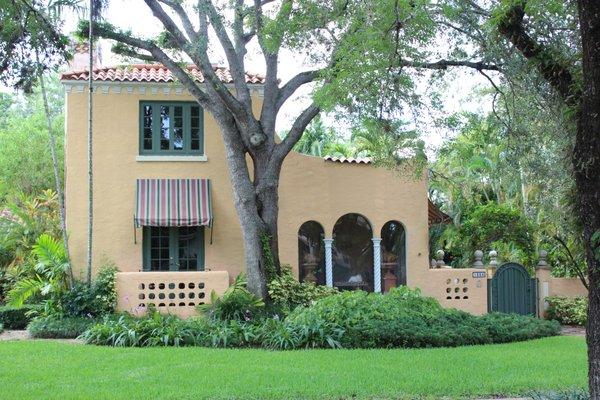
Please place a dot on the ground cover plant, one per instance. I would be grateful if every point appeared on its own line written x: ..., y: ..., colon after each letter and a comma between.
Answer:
x: 53, y: 327
x: 400, y: 318
x: 16, y: 317
x: 76, y: 371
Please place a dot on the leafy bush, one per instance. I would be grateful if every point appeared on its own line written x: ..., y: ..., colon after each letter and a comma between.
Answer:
x: 400, y: 318
x: 567, y: 310
x: 237, y: 303
x: 54, y: 327
x: 16, y: 317
x: 287, y: 293
x: 91, y: 301
x: 1, y: 328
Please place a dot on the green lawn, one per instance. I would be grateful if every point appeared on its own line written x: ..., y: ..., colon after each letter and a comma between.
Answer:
x: 53, y: 370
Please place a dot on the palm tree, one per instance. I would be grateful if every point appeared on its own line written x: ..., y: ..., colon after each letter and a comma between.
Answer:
x: 95, y: 10
x: 55, y: 166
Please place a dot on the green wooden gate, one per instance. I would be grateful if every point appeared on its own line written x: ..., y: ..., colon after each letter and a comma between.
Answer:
x: 512, y: 290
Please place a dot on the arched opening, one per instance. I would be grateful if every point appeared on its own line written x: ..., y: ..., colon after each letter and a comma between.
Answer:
x: 393, y: 255
x: 311, y: 254
x: 353, y: 253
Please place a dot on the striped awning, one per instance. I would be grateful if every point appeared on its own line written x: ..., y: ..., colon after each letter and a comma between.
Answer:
x: 173, y: 202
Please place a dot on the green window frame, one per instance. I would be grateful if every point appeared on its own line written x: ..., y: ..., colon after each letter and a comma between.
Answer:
x: 172, y: 248
x: 171, y: 128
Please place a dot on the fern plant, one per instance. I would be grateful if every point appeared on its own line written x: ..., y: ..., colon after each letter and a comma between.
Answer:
x: 237, y: 303
x: 50, y: 280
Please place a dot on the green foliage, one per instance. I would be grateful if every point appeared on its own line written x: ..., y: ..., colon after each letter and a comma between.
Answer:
x: 54, y: 327
x: 500, y: 227
x: 51, y: 276
x: 237, y: 303
x: 270, y: 270
x: 400, y: 318
x: 403, y: 318
x: 25, y: 161
x: 93, y: 300
x: 567, y: 310
x: 287, y: 293
x: 16, y: 317
x: 22, y: 222
x: 29, y: 27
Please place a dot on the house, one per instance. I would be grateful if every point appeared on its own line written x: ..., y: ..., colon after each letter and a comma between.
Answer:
x: 164, y: 213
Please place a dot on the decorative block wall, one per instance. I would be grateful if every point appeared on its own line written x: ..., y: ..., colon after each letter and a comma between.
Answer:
x: 177, y: 293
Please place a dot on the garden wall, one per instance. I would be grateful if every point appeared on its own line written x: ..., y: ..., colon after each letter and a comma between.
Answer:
x: 463, y: 289
x: 549, y: 286
x: 175, y: 293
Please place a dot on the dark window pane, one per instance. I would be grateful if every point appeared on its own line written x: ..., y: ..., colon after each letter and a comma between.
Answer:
x: 178, y: 133
x: 165, y: 123
x: 353, y: 253
x: 178, y: 111
x: 195, y: 111
x: 311, y: 252
x: 147, y: 144
x: 195, y: 145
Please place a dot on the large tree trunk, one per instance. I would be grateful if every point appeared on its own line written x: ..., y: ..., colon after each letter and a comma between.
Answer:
x: 586, y: 161
x: 256, y: 205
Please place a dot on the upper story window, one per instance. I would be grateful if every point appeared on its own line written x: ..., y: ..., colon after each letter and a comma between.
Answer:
x: 171, y: 128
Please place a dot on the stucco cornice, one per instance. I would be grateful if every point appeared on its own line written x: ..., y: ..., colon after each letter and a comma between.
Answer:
x: 145, y: 88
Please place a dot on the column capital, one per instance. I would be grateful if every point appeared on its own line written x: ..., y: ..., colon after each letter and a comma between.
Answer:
x: 328, y: 241
x: 376, y: 241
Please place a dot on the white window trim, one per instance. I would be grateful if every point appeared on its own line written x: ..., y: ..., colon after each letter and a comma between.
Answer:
x: 169, y: 158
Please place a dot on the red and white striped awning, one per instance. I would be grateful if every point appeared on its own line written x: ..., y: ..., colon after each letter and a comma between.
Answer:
x: 173, y: 202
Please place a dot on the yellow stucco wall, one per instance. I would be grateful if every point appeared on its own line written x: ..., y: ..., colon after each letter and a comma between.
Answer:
x: 311, y: 188
x: 549, y: 286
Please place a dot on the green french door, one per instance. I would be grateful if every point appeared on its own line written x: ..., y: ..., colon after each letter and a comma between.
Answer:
x: 173, y: 248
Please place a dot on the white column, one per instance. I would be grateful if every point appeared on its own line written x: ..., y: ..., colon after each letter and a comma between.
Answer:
x: 376, y: 265
x: 328, y: 262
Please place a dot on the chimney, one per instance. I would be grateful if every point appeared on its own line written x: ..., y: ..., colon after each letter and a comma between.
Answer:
x: 80, y: 59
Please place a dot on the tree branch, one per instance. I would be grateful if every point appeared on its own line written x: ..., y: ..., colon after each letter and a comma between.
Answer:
x: 198, y: 56
x: 557, y: 74
x: 296, y: 131
x: 445, y: 64
x: 294, y: 84
x: 106, y: 32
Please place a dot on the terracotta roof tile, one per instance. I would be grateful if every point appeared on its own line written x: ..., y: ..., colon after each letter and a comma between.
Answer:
x: 152, y: 73
x: 349, y: 160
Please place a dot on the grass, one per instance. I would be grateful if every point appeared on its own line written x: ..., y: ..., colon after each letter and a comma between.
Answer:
x: 54, y: 370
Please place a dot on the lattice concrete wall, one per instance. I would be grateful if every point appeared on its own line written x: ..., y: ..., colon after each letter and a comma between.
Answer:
x: 177, y: 293
x: 463, y: 289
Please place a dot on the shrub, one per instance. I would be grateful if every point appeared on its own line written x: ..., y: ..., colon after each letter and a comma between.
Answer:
x: 237, y: 303
x: 567, y: 310
x: 54, y: 327
x: 91, y: 301
x: 287, y: 292
x: 16, y: 317
x: 400, y: 318
x: 1, y: 328
x: 403, y: 318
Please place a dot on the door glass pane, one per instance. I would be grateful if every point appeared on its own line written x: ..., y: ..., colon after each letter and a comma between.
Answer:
x: 189, y: 247
x: 159, y: 248
x: 178, y: 128
x: 165, y: 123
